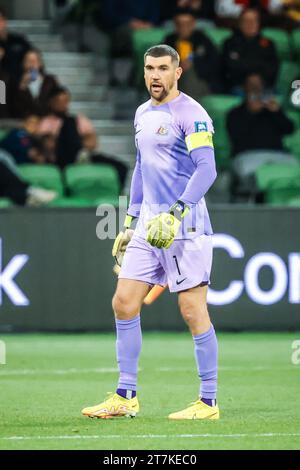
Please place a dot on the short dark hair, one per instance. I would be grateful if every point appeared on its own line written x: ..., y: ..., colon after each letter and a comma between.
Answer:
x: 162, y: 50
x: 184, y: 11
x: 58, y: 90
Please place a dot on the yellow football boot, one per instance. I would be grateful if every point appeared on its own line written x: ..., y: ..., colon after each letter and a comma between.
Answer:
x: 197, y: 410
x: 115, y: 406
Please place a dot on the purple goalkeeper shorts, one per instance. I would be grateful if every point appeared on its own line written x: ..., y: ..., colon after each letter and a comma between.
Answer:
x: 186, y: 264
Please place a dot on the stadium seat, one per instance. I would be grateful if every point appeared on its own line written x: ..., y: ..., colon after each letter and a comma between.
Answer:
x: 294, y: 202
x: 282, y: 190
x: 92, y: 182
x: 218, y: 107
x: 288, y: 72
x: 291, y: 143
x: 295, y: 117
x: 296, y: 42
x: 220, y: 104
x: 45, y: 176
x: 4, y: 202
x: 281, y: 40
x: 142, y: 40
x: 269, y: 176
x: 3, y: 133
x: 217, y: 35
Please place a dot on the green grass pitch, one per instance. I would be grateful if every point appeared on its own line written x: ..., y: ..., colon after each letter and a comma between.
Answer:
x: 49, y: 378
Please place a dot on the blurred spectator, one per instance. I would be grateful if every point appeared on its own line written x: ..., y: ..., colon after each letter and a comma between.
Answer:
x: 130, y: 13
x: 120, y: 19
x: 292, y: 11
x: 246, y: 52
x: 22, y: 142
x: 228, y: 8
x: 31, y: 90
x: 12, y: 47
x: 76, y: 139
x: 67, y: 129
x: 198, y: 56
x: 14, y: 188
x: 203, y: 9
x: 256, y: 129
x: 258, y: 123
x: 275, y: 13
x: 48, y: 143
x: 233, y: 8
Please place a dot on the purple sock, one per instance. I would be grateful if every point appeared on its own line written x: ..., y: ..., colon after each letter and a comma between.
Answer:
x: 209, y: 402
x: 126, y: 393
x: 128, y: 347
x: 206, y: 354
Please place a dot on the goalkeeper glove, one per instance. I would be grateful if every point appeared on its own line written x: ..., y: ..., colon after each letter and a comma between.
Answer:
x: 162, y: 229
x: 121, y: 243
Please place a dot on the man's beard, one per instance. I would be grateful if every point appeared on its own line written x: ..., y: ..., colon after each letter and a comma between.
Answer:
x: 161, y: 96
x: 163, y: 93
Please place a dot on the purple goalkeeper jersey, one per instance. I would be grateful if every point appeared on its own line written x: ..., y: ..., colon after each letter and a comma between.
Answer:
x: 165, y: 137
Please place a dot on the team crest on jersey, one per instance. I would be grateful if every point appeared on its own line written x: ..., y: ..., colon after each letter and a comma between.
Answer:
x: 200, y: 126
x: 162, y: 130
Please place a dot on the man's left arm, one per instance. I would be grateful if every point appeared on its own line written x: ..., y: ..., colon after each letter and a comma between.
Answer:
x: 203, y: 176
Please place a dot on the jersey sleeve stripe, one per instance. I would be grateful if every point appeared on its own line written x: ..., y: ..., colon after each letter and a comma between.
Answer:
x: 199, y: 139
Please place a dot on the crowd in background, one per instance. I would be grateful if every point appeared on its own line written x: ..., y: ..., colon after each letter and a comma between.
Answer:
x: 246, y: 66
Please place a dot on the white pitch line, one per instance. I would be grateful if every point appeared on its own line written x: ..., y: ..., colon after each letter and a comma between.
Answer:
x: 229, y: 368
x: 106, y: 370
x: 150, y: 436
x: 102, y: 370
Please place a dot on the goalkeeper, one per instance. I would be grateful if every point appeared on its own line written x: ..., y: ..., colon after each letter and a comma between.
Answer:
x: 172, y: 242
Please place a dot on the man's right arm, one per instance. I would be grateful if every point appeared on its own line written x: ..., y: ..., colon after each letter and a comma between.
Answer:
x: 136, y: 189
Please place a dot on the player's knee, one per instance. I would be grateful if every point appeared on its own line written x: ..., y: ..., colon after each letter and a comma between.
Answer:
x: 191, y: 311
x: 124, y: 307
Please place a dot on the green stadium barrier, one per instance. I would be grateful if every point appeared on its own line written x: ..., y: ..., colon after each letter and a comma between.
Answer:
x: 92, y: 182
x: 281, y: 40
x: 45, y: 176
x: 267, y: 175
